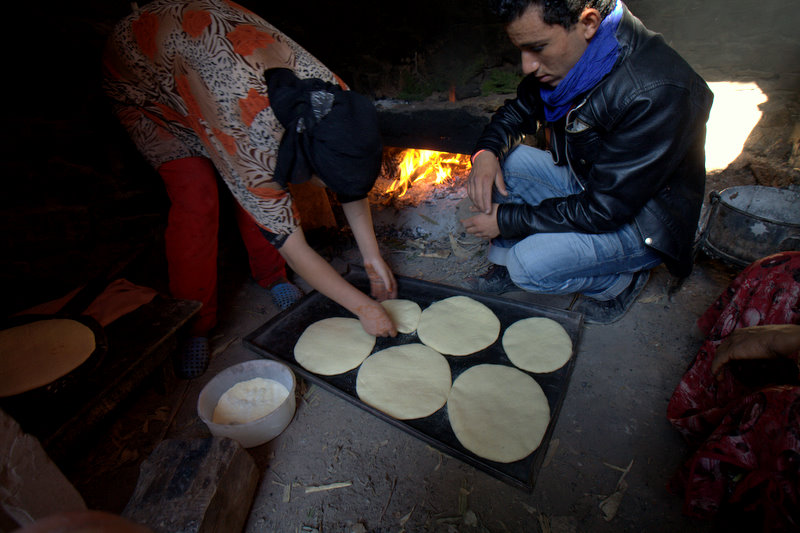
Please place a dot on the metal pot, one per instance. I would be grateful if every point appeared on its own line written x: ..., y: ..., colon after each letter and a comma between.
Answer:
x: 750, y: 222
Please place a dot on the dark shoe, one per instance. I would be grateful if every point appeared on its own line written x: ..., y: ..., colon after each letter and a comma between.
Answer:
x: 285, y: 294
x: 194, y: 357
x: 495, y: 281
x: 609, y: 311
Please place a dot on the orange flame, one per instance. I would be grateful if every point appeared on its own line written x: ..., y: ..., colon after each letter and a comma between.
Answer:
x: 418, y: 165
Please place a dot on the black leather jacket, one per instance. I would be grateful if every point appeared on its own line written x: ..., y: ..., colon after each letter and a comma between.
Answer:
x: 635, y: 143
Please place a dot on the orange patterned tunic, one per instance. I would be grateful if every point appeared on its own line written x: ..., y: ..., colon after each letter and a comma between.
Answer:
x: 186, y: 79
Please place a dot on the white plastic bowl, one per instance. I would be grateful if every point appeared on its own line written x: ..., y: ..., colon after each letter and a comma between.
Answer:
x: 258, y: 431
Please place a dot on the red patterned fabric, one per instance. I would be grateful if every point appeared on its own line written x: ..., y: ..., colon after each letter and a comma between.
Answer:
x: 186, y: 79
x: 747, y: 437
x: 191, y: 239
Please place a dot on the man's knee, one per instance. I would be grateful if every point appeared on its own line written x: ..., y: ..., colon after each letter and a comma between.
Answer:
x: 532, y: 275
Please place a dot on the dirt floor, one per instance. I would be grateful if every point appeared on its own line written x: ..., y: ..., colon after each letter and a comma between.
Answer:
x: 612, y: 421
x: 611, y: 439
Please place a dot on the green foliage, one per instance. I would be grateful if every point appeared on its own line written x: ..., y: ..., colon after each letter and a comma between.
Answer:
x: 416, y: 87
x: 500, y: 82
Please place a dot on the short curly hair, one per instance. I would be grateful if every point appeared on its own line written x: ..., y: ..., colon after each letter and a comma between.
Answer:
x: 562, y: 12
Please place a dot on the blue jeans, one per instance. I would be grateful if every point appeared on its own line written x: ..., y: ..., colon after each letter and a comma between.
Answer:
x: 598, y: 265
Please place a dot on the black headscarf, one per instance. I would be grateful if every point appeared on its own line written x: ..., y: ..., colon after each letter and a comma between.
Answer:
x: 330, y: 132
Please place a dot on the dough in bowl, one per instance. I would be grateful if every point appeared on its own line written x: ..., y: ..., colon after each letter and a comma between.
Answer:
x: 333, y: 346
x: 458, y: 325
x: 537, y: 344
x: 249, y: 400
x: 406, y: 381
x: 498, y: 412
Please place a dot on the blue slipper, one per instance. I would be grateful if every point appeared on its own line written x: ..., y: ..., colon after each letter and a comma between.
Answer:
x: 285, y: 294
x: 194, y: 358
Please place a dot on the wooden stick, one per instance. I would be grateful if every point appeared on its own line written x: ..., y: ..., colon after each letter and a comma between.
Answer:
x: 332, y: 486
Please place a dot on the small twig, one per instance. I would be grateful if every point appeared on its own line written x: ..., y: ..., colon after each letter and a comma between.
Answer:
x: 615, y: 467
x: 428, y: 219
x: 463, y: 493
x: 439, y: 464
x: 623, y: 470
x: 407, y: 517
x: 389, y: 499
x: 287, y: 491
x: 224, y: 347
x: 332, y: 486
x: 610, y: 505
x: 544, y: 523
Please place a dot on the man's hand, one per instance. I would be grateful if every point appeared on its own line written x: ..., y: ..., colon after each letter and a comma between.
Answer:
x: 483, y: 225
x: 485, y: 172
x: 757, y: 342
x: 375, y: 320
x: 382, y: 285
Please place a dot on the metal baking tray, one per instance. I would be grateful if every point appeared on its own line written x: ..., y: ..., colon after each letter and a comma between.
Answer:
x: 276, y: 340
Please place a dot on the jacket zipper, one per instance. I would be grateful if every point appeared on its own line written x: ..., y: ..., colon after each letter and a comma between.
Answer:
x: 566, y: 145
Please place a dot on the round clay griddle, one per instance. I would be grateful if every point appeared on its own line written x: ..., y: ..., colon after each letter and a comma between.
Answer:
x: 49, y: 352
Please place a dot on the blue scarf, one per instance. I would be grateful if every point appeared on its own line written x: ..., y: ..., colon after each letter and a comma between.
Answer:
x: 597, y: 60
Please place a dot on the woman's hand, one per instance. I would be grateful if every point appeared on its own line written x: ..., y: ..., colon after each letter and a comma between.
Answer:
x: 382, y: 285
x: 757, y: 342
x: 375, y: 320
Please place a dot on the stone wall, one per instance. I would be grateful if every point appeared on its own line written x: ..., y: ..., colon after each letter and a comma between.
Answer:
x: 739, y: 40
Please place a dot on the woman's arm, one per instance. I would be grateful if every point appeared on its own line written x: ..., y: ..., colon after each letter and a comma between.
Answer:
x: 324, y: 278
x: 383, y: 286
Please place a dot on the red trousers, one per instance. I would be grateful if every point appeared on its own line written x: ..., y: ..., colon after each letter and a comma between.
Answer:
x: 192, y: 238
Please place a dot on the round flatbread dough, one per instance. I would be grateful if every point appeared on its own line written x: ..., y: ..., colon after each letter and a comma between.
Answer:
x: 249, y: 400
x: 458, y: 325
x: 333, y: 346
x: 404, y: 313
x: 405, y: 382
x: 35, y: 354
x: 498, y: 412
x: 537, y: 344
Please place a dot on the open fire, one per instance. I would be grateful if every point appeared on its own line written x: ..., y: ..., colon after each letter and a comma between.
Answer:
x: 418, y: 202
x: 426, y: 167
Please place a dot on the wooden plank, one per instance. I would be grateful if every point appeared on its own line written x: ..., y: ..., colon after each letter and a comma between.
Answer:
x: 194, y: 486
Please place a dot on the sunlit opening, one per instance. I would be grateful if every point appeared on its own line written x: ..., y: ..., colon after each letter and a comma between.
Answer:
x: 733, y: 116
